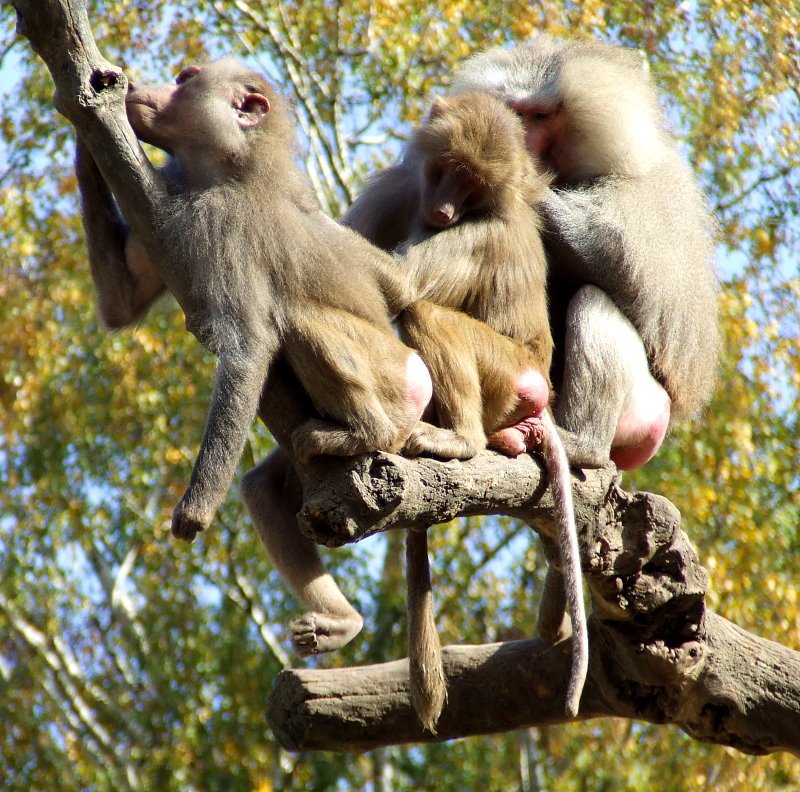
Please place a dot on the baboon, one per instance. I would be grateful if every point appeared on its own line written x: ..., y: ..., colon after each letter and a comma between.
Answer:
x: 278, y: 291
x: 628, y: 239
x: 629, y: 243
x: 475, y: 256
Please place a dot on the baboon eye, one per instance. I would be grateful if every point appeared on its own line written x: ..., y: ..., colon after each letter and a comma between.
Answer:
x: 433, y: 174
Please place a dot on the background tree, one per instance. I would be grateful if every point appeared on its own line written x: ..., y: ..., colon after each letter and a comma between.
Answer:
x: 130, y: 661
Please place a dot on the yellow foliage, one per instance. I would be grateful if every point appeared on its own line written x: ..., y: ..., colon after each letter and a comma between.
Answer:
x: 26, y: 247
x: 175, y: 456
x: 71, y: 395
x: 592, y: 13
x: 763, y: 242
x: 150, y: 342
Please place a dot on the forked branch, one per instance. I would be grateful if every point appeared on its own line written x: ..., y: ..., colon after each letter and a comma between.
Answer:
x: 657, y: 654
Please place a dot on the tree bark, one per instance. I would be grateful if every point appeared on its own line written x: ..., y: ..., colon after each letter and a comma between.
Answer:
x: 656, y: 653
x: 727, y: 687
x: 90, y: 93
x: 346, y: 501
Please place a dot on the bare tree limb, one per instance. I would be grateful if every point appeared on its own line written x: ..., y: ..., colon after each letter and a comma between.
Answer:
x: 743, y: 693
x: 656, y: 653
x: 346, y: 501
x: 90, y: 93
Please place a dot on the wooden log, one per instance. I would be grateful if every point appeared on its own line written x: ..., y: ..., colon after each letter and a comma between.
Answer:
x: 728, y: 687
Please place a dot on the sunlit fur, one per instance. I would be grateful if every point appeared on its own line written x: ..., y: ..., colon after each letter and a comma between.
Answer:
x: 479, y: 134
x: 596, y: 84
x: 277, y: 291
x: 624, y: 215
x: 490, y: 265
x: 645, y: 235
x: 483, y: 266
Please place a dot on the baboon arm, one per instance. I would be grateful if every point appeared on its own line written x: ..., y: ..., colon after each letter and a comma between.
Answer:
x: 384, y: 210
x: 237, y: 392
x: 126, y: 281
x: 441, y: 268
x: 587, y: 240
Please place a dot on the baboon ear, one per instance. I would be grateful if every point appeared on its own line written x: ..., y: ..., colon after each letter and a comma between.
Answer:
x: 253, y: 108
x: 187, y: 74
x: 438, y: 106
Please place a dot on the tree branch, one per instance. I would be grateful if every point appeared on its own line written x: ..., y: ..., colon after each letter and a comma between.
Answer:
x: 730, y: 688
x: 90, y: 93
x: 656, y: 653
x: 346, y: 501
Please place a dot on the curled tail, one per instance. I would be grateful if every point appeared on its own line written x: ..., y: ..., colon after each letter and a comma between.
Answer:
x: 428, y: 687
x: 561, y: 482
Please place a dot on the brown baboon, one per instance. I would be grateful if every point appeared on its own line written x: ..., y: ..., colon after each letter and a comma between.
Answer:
x: 628, y: 238
x: 279, y: 292
x: 475, y: 256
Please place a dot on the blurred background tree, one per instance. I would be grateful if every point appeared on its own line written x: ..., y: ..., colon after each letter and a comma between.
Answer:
x: 131, y: 661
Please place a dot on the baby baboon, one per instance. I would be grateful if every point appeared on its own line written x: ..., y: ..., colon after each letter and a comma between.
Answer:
x: 475, y: 256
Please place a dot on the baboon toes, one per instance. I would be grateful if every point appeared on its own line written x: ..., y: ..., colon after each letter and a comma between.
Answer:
x: 525, y: 435
x: 317, y: 633
x: 441, y: 443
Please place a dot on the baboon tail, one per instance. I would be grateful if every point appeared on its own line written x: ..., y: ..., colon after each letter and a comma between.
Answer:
x: 428, y: 687
x: 561, y: 482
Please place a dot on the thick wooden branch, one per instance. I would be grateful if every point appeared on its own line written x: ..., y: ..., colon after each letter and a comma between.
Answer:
x: 656, y: 653
x: 90, y: 92
x: 731, y: 688
x: 348, y: 500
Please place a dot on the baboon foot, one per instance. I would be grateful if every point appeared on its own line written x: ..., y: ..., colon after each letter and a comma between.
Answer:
x: 525, y: 435
x: 427, y: 440
x: 316, y: 633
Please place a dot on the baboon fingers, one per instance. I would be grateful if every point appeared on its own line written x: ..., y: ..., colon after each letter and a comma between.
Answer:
x: 188, y: 521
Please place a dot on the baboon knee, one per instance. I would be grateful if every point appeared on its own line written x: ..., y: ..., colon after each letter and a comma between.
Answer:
x: 253, y: 483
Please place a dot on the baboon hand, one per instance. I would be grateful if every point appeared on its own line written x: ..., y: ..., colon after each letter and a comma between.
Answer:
x: 189, y: 519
